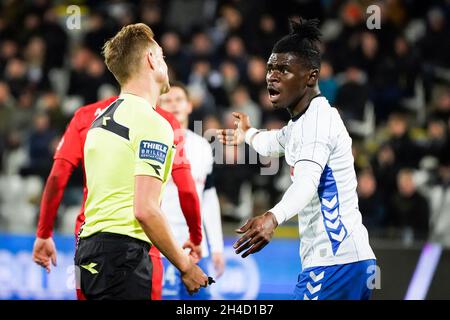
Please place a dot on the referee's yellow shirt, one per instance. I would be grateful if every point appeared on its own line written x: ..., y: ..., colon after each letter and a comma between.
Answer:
x: 129, y: 138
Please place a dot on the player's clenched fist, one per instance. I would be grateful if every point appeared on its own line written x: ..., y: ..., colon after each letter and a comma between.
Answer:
x: 235, y: 136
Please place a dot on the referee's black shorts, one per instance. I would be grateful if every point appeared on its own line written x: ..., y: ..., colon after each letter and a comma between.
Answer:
x: 114, y: 267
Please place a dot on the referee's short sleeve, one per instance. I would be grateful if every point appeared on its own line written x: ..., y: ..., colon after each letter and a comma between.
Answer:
x: 152, y: 143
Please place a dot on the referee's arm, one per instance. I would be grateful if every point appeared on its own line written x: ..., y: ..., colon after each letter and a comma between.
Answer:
x: 155, y: 226
x: 147, y: 211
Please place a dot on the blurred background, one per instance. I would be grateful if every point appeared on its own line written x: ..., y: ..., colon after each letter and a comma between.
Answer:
x: 391, y: 86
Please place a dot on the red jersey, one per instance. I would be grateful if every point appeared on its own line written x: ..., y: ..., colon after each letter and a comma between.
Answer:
x: 71, y: 148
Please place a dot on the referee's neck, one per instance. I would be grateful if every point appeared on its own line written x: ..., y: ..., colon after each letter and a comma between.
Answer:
x: 144, y: 89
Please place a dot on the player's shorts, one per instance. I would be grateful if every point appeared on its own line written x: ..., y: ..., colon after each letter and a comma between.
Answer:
x: 113, y: 266
x: 338, y: 282
x: 173, y: 287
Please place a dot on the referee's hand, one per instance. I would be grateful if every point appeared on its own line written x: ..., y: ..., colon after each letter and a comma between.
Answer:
x: 194, y: 278
x: 44, y: 253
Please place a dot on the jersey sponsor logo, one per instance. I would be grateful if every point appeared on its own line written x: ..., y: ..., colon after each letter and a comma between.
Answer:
x: 152, y: 150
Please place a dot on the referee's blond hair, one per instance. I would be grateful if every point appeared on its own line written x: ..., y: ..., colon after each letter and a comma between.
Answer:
x: 124, y: 51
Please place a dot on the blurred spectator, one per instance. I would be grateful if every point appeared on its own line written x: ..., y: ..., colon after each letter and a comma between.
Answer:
x: 34, y: 54
x: 49, y: 103
x: 202, y: 47
x: 32, y: 26
x: 439, y: 196
x: 8, y: 50
x: 406, y: 66
x: 229, y: 22
x: 435, y: 48
x: 151, y: 14
x: 98, y: 32
x: 266, y: 36
x: 241, y: 102
x: 40, y: 143
x: 87, y: 75
x: 256, y: 76
x: 385, y: 170
x: 56, y: 40
x: 398, y: 136
x: 22, y: 115
x: 16, y: 76
x: 7, y: 104
x: 441, y: 107
x: 230, y: 79
x: 327, y: 82
x: 175, y: 56
x: 199, y: 88
x: 235, y: 51
x: 437, y: 141
x: 370, y: 201
x: 353, y: 94
x: 409, y: 210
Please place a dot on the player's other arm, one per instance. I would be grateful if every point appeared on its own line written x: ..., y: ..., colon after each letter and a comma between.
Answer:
x: 213, y: 225
x: 67, y: 157
x: 266, y: 143
x: 44, y: 249
x: 147, y: 211
x: 190, y: 206
x: 187, y: 192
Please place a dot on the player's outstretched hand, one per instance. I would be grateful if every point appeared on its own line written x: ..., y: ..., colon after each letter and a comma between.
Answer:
x: 235, y: 136
x: 44, y: 252
x: 194, y: 251
x: 257, y: 233
x: 194, y: 278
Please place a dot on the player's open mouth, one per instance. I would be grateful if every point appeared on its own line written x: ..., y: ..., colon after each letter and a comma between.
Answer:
x: 274, y: 94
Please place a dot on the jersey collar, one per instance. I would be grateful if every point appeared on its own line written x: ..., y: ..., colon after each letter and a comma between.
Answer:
x: 303, y: 112
x: 135, y: 97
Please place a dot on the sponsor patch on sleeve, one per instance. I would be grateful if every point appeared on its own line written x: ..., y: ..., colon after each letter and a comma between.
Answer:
x: 152, y: 150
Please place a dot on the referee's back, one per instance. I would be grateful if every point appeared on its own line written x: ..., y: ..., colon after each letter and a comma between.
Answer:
x: 129, y: 138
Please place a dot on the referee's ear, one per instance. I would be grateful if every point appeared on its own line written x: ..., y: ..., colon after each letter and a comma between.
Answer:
x: 150, y: 59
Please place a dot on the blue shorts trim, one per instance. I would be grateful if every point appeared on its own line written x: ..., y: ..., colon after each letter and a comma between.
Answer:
x: 338, y: 282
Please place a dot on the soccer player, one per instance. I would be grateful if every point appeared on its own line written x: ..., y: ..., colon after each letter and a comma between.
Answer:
x: 69, y: 155
x: 199, y: 153
x: 128, y: 156
x: 336, y: 257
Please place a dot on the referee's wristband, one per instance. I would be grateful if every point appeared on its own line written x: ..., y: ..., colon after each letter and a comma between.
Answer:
x: 250, y: 134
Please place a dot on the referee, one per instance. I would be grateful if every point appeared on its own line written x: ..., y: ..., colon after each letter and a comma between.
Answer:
x: 128, y: 157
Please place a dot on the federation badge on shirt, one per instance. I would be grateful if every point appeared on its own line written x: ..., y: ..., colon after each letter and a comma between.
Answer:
x: 152, y: 150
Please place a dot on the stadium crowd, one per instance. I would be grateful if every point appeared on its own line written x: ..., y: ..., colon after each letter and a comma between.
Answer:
x: 391, y: 85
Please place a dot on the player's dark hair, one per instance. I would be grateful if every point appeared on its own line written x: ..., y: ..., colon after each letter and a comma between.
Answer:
x: 302, y: 40
x: 181, y: 85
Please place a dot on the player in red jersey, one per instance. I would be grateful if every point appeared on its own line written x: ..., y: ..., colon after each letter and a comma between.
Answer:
x: 69, y: 155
